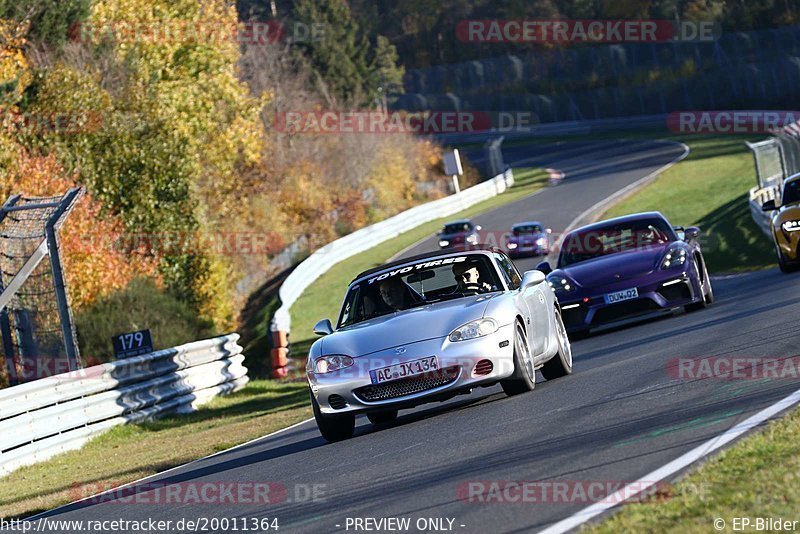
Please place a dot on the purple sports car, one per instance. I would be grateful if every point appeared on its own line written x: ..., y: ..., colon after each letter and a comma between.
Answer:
x: 528, y: 239
x: 627, y: 269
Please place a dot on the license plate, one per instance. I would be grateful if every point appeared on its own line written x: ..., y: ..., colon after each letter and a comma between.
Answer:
x: 404, y: 370
x: 625, y: 294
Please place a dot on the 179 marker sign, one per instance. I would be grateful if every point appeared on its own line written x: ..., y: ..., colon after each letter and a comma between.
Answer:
x: 133, y: 344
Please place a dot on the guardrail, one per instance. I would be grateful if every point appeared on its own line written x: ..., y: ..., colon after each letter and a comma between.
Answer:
x: 326, y: 257
x: 45, y: 417
x: 759, y: 195
x: 776, y: 159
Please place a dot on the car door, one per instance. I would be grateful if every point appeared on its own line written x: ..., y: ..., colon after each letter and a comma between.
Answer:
x: 531, y: 301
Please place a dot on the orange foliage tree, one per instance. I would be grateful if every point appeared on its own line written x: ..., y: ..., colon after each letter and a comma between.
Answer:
x: 94, y: 264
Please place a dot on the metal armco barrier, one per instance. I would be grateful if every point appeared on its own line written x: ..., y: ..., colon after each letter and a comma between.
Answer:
x: 56, y: 414
x: 775, y: 159
x: 364, y: 239
x: 757, y: 198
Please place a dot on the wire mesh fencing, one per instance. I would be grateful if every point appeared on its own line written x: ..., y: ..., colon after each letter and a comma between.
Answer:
x: 38, y: 335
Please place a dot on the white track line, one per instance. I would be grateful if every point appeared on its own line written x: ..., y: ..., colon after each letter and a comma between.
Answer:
x: 41, y: 514
x: 673, y: 467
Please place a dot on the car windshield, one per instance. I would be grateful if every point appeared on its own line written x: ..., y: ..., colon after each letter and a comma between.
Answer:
x: 527, y: 229
x: 455, y: 228
x: 791, y: 193
x: 620, y: 237
x: 423, y: 282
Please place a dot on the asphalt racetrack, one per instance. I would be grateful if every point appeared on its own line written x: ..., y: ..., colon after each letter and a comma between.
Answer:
x: 623, y: 413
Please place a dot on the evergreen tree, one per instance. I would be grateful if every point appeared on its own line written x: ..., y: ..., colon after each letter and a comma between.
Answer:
x: 50, y: 20
x: 386, y: 76
x: 339, y: 55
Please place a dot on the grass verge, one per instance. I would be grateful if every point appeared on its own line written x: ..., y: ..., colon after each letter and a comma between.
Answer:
x: 131, y: 452
x: 324, y: 296
x: 757, y: 477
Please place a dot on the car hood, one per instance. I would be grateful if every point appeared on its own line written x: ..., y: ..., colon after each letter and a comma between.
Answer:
x: 432, y: 321
x: 616, y: 267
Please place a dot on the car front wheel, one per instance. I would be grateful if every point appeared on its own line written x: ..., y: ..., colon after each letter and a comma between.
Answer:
x: 560, y: 364
x: 524, y: 377
x: 783, y: 261
x: 705, y: 287
x: 333, y: 427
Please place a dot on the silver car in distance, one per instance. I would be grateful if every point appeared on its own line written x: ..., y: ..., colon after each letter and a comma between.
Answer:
x: 430, y: 327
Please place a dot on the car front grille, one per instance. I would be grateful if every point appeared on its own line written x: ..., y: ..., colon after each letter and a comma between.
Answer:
x: 407, y: 386
x: 573, y: 316
x: 678, y: 291
x: 623, y: 310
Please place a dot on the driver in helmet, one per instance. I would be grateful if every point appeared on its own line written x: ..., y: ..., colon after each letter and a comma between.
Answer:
x: 468, y: 278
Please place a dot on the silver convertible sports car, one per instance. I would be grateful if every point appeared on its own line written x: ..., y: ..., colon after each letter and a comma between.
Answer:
x: 430, y: 327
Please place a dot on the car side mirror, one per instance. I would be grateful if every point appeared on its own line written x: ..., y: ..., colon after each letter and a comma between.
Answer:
x: 532, y: 278
x: 769, y: 205
x: 323, y: 328
x: 545, y: 268
x: 691, y: 233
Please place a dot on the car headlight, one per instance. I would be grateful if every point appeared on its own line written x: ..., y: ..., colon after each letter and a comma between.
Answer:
x: 559, y: 283
x: 541, y: 241
x: 474, y: 329
x: 512, y: 245
x: 675, y: 257
x: 791, y: 226
x: 444, y: 242
x: 335, y: 362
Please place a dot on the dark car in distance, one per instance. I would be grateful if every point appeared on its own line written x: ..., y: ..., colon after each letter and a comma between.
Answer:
x: 528, y: 239
x: 626, y: 269
x: 460, y: 233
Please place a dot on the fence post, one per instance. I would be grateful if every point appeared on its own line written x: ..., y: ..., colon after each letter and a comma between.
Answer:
x: 62, y: 300
x: 5, y: 323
